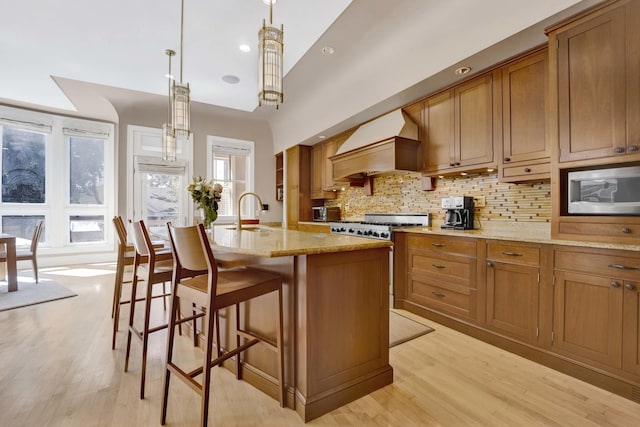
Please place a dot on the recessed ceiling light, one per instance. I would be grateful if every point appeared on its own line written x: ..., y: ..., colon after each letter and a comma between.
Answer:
x: 245, y: 48
x: 267, y: 2
x: 462, y: 71
x: 321, y: 136
x: 231, y: 79
x: 328, y: 50
x: 169, y: 76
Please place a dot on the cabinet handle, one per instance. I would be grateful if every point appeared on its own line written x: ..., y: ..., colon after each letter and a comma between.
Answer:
x: 489, y: 264
x: 438, y: 266
x: 621, y: 267
x: 452, y: 164
x: 629, y: 286
x: 626, y: 230
x: 632, y: 148
x: 507, y: 159
x: 619, y: 150
x: 527, y: 170
x: 511, y: 253
x: 457, y: 163
x: 437, y: 294
x: 615, y: 284
x: 438, y: 245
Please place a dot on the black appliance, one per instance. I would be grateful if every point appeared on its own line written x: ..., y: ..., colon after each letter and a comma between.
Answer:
x: 459, y: 215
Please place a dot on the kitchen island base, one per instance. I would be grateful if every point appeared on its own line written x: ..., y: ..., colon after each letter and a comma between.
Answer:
x: 336, y: 326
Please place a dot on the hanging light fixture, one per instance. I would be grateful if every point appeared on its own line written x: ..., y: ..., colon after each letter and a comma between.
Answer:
x: 181, y: 94
x: 168, y: 136
x: 270, y: 66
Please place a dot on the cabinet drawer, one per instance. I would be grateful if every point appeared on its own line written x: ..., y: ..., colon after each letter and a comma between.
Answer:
x: 456, y: 300
x: 510, y: 253
x: 446, y: 244
x: 599, y: 264
x: 616, y: 231
x: 449, y: 268
x: 525, y: 170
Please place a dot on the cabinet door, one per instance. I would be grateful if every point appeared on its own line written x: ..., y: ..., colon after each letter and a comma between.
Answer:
x: 588, y: 318
x: 317, y: 166
x: 512, y: 300
x: 293, y: 188
x: 439, y: 132
x: 631, y: 327
x: 591, y: 88
x: 524, y: 89
x: 329, y: 149
x: 474, y: 122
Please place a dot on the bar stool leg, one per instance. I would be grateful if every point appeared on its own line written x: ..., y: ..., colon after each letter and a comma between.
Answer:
x: 132, y: 312
x: 145, y: 336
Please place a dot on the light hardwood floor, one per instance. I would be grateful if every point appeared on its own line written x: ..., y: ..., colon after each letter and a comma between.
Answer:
x: 57, y: 369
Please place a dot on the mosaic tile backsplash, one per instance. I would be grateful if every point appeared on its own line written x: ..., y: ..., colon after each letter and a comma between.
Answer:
x: 403, y: 193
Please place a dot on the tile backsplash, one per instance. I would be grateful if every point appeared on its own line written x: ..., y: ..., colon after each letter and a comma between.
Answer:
x: 402, y: 193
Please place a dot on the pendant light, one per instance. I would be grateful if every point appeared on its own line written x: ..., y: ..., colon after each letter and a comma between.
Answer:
x: 181, y: 94
x: 168, y: 136
x: 270, y: 76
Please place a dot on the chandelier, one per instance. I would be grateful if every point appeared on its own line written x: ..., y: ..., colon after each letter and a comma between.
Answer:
x: 168, y: 135
x: 270, y: 48
x: 181, y: 94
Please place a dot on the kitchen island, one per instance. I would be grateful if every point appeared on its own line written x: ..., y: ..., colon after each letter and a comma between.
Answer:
x: 336, y: 314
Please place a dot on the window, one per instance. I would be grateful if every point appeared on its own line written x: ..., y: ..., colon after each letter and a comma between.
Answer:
x: 61, y: 170
x: 157, y: 188
x: 230, y: 163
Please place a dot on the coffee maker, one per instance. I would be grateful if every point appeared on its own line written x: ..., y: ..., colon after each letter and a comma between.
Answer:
x: 459, y: 215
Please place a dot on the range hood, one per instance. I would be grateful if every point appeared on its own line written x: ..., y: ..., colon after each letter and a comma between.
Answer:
x: 386, y: 145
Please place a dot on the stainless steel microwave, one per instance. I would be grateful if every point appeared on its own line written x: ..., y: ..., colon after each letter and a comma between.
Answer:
x: 613, y: 191
x: 326, y: 213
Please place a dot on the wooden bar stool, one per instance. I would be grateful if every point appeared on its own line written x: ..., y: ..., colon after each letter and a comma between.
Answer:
x: 197, y: 280
x: 126, y: 256
x: 157, y: 269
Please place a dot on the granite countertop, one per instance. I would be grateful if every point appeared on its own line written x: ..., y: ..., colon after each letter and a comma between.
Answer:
x: 275, y: 242
x: 522, y: 232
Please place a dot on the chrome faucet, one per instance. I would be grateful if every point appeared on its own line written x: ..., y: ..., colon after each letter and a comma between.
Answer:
x: 239, y: 226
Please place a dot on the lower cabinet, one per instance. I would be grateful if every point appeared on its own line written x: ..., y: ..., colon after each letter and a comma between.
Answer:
x: 573, y: 308
x: 513, y: 290
x: 442, y: 274
x: 597, y: 309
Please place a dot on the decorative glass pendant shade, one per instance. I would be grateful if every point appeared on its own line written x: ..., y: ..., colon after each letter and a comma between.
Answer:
x: 181, y: 94
x: 270, y: 63
x: 181, y: 109
x: 168, y: 136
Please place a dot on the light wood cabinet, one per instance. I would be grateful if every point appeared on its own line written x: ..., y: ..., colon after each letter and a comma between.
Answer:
x: 298, y: 194
x: 462, y: 126
x: 279, y: 177
x: 513, y: 289
x: 596, y: 309
x: 442, y: 275
x: 322, y: 186
x: 525, y: 147
x: 597, y: 89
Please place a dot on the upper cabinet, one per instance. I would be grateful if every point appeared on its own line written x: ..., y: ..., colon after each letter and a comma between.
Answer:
x: 525, y: 146
x: 462, y: 126
x: 597, y: 87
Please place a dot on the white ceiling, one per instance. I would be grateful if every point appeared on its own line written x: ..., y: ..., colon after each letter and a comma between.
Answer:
x: 121, y: 43
x: 82, y: 55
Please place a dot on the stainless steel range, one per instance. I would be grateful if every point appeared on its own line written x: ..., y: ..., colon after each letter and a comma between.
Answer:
x: 381, y: 226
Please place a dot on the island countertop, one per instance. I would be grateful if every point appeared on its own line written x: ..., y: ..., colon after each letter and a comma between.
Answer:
x: 276, y: 242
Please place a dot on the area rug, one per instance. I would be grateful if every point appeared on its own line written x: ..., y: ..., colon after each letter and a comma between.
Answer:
x: 403, y: 329
x: 32, y: 293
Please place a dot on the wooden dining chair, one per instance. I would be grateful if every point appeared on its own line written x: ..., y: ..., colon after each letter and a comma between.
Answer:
x: 158, y: 269
x: 30, y: 253
x: 196, y: 279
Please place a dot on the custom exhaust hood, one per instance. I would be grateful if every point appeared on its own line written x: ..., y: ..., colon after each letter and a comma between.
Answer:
x: 386, y: 145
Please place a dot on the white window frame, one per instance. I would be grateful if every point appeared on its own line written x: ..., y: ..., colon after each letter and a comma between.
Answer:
x: 57, y: 209
x: 233, y: 143
x: 136, y: 152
